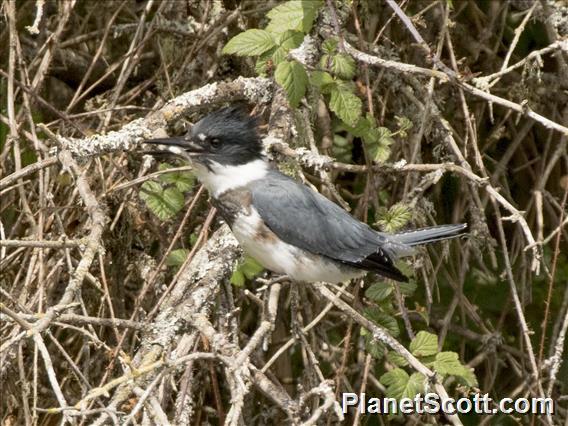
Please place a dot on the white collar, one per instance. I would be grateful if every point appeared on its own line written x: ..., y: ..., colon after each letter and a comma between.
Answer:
x: 219, y: 178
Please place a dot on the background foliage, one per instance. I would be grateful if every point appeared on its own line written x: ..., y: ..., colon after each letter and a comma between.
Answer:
x: 471, y: 306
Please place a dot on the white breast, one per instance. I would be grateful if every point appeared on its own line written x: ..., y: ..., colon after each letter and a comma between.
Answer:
x: 221, y: 178
x: 277, y: 256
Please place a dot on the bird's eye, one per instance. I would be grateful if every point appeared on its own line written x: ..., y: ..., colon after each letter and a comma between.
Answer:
x: 215, y: 142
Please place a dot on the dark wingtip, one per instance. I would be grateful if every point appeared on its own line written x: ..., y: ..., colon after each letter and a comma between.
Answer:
x: 376, y: 263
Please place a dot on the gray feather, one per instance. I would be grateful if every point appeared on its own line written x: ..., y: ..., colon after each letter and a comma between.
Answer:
x: 430, y: 234
x: 306, y: 219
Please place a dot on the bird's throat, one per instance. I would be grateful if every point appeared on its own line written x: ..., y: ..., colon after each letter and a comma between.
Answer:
x: 219, y: 178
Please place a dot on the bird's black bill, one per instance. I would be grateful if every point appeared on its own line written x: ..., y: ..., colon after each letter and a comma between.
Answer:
x: 158, y: 153
x: 189, y: 146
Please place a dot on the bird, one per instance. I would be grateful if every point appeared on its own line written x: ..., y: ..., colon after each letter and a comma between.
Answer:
x: 286, y: 226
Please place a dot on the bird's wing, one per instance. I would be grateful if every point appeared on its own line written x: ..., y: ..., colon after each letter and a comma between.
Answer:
x: 306, y: 219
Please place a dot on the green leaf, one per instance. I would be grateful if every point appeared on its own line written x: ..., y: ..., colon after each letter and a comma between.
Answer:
x: 325, y: 62
x: 177, y: 257
x: 424, y: 344
x: 183, y: 181
x: 407, y: 289
x: 193, y: 237
x: 346, y: 105
x: 395, y: 218
x: 416, y: 384
x: 286, y: 41
x: 249, y: 43
x: 323, y: 80
x: 248, y: 268
x: 343, y: 66
x: 238, y: 278
x: 362, y: 128
x: 381, y: 318
x: 329, y: 46
x: 400, y: 385
x: 384, y: 136
x: 447, y: 363
x: 251, y: 268
x: 396, y: 359
x: 163, y: 203
x: 393, y: 377
x: 379, y: 291
x: 379, y: 153
x: 404, y: 124
x: 378, y: 141
x: 264, y: 62
x: 293, y: 78
x: 467, y: 377
x: 374, y: 347
x: 295, y: 15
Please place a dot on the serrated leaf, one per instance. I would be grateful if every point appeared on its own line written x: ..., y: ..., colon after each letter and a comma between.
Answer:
x: 343, y: 66
x: 360, y: 129
x: 293, y: 78
x: 405, y: 268
x: 295, y: 15
x: 407, y: 289
x: 184, y: 181
x: 415, y: 385
x: 323, y: 80
x: 248, y: 268
x: 264, y: 63
x: 384, y: 136
x: 396, y: 359
x: 378, y: 141
x: 395, y: 218
x: 424, y: 344
x: 374, y: 347
x: 177, y: 257
x: 285, y: 42
x: 163, y: 203
x: 379, y: 153
x: 404, y: 124
x: 396, y: 375
x: 379, y: 291
x: 400, y: 385
x: 250, y: 43
x: 428, y: 361
x: 329, y: 46
x: 448, y: 363
x: 383, y: 319
x: 346, y: 105
x: 467, y: 377
x: 325, y: 62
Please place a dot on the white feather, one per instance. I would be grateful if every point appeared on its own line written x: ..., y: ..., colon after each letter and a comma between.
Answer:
x: 222, y: 178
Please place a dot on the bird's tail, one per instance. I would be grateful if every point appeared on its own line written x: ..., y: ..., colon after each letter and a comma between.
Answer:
x: 430, y: 234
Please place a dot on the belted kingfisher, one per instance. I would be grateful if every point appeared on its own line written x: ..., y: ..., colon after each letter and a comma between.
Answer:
x: 286, y: 226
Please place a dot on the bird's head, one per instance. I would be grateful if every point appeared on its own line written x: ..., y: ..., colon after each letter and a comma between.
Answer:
x: 227, y: 136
